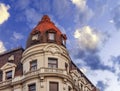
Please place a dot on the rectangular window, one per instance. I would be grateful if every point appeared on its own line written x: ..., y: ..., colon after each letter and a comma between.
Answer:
x: 69, y: 88
x: 52, y: 63
x: 9, y: 75
x: 33, y: 65
x: 32, y: 87
x: 53, y: 86
x: 51, y: 36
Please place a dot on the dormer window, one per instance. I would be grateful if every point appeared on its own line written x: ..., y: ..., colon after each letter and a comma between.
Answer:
x: 51, y: 36
x: 63, y: 41
x: 63, y: 37
x: 9, y: 75
x: 35, y: 37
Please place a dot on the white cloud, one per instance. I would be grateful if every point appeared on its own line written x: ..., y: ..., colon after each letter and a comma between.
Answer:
x: 87, y: 37
x: 111, y: 21
x: 2, y: 47
x: 4, y: 14
x: 17, y: 36
x: 81, y: 4
x: 107, y: 77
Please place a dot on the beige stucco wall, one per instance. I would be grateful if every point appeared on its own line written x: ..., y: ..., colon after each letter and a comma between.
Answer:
x: 43, y: 55
x: 42, y: 52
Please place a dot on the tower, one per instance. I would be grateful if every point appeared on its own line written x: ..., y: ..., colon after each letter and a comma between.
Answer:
x: 46, y: 52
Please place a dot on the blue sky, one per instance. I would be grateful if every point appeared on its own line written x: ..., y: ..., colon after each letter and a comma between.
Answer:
x: 92, y: 28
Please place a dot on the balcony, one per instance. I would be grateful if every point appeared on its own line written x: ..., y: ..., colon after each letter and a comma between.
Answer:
x: 46, y: 71
x: 36, y: 73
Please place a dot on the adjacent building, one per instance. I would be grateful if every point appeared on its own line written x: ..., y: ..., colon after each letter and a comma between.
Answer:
x: 44, y: 65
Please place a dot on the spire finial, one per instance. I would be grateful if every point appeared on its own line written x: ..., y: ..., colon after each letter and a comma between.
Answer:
x: 45, y: 18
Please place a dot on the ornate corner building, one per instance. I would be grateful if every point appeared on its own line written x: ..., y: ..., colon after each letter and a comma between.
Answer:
x: 45, y: 64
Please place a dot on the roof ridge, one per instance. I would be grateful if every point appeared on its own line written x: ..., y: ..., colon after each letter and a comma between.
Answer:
x: 14, y: 49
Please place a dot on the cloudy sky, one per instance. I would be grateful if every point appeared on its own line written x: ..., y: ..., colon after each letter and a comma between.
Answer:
x: 92, y: 28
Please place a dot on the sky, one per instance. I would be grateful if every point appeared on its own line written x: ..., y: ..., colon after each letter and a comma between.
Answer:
x: 92, y: 28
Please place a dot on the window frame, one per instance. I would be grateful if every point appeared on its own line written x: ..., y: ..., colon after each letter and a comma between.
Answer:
x: 51, y: 82
x: 35, y: 35
x: 53, y: 64
x: 33, y: 68
x: 63, y: 41
x: 33, y: 84
x: 35, y: 41
x: 48, y: 35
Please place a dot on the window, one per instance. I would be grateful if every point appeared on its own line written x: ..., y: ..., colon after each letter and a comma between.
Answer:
x: 52, y: 63
x: 53, y: 86
x: 69, y: 88
x: 32, y: 87
x: 35, y: 37
x: 9, y: 75
x: 63, y: 41
x: 82, y: 87
x: 51, y: 36
x: 33, y: 65
x: 66, y: 65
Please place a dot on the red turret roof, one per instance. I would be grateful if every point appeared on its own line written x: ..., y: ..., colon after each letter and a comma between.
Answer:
x: 45, y: 24
x: 43, y: 28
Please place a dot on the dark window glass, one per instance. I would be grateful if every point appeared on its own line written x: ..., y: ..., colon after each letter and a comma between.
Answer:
x: 69, y: 88
x: 66, y: 66
x: 32, y: 87
x: 52, y: 63
x: 9, y: 75
x: 33, y: 65
x: 53, y: 86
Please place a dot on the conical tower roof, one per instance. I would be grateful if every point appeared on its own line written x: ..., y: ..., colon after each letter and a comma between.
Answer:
x: 45, y: 24
x: 46, y: 32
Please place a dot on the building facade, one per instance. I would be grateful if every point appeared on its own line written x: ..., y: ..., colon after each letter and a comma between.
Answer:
x: 45, y: 64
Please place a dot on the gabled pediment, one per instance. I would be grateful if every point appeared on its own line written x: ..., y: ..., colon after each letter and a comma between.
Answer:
x: 8, y: 65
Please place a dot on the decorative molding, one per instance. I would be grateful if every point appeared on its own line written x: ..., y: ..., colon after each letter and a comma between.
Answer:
x: 7, y: 66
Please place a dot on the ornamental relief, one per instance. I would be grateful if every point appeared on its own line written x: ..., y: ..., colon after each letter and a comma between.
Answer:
x: 52, y: 48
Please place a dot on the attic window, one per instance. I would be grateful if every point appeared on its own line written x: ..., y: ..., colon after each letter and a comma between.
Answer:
x: 11, y: 58
x: 63, y: 41
x: 35, y: 37
x: 51, y: 36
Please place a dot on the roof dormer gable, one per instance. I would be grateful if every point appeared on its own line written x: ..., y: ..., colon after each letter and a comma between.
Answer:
x: 7, y: 66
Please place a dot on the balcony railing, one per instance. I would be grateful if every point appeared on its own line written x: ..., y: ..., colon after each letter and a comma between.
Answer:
x: 46, y: 70
x: 35, y: 73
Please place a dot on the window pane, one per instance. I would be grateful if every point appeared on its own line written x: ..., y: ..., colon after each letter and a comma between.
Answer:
x: 9, y: 75
x: 32, y: 87
x: 35, y: 37
x: 52, y: 36
x: 52, y: 63
x: 33, y: 65
x: 53, y: 86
